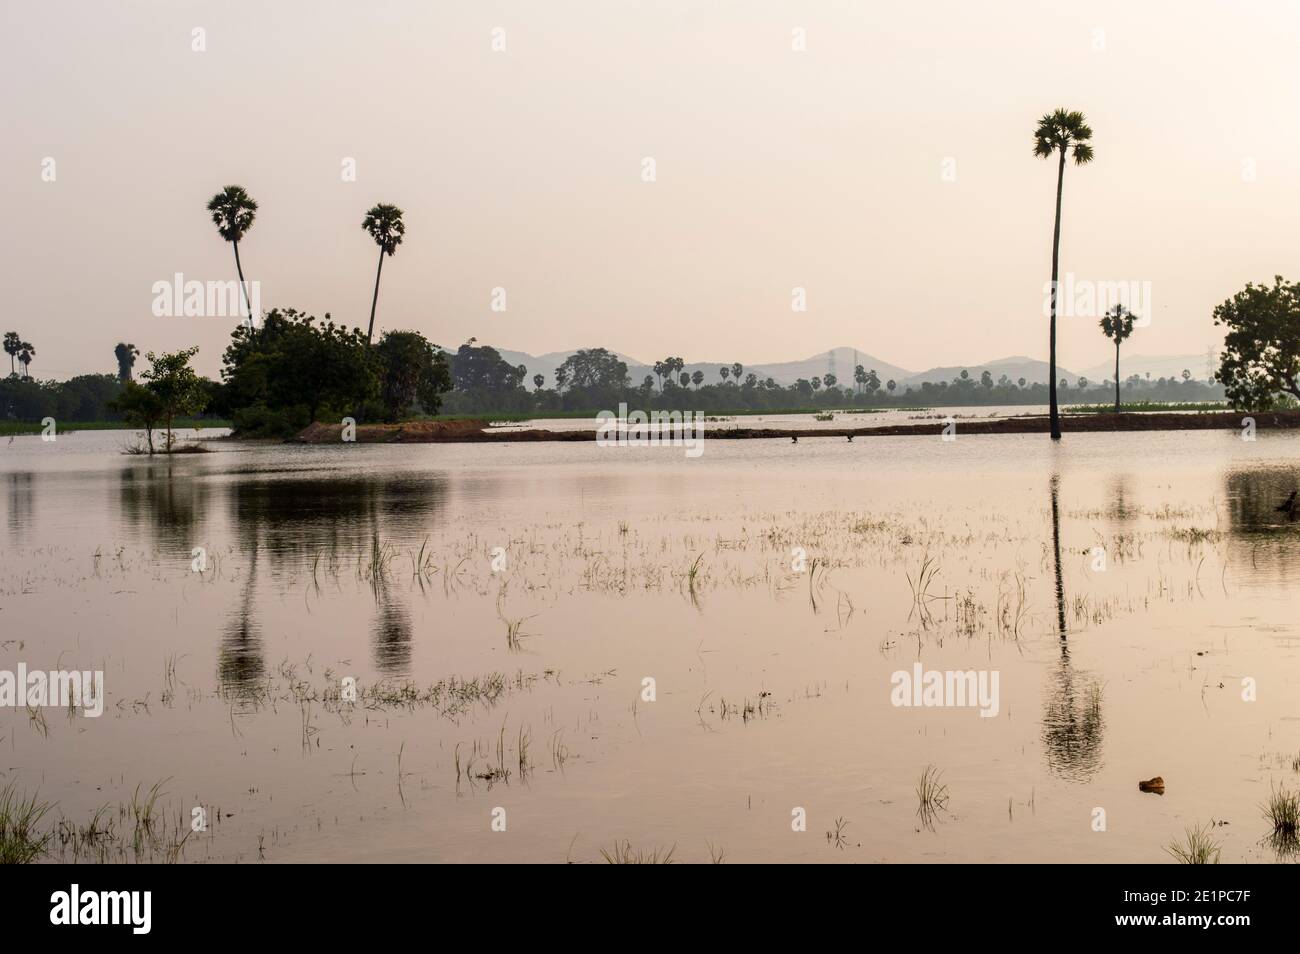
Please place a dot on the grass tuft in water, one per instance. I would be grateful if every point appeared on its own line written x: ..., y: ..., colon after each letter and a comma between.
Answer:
x: 19, y: 816
x: 1197, y: 847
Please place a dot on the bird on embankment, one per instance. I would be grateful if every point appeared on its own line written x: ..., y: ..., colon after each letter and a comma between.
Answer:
x: 794, y: 438
x: 1288, y: 505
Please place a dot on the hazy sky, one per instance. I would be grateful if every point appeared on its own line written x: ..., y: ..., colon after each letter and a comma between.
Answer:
x: 523, y: 169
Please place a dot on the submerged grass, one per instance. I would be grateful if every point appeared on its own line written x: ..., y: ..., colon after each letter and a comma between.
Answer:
x: 931, y: 796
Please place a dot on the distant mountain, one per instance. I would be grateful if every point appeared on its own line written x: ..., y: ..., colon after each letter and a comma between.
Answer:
x: 842, y: 361
x: 1158, y: 366
x: 1015, y: 368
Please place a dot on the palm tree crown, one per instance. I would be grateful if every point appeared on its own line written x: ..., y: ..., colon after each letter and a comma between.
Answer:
x: 233, y: 211
x: 1117, y: 324
x: 385, y: 225
x: 1061, y: 130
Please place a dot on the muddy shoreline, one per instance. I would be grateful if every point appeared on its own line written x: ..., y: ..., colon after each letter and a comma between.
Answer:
x: 470, y: 432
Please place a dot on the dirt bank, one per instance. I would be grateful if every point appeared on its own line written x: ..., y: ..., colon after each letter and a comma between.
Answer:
x: 446, y: 432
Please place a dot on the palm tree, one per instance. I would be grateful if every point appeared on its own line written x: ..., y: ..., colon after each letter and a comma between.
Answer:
x: 538, y: 381
x: 13, y: 344
x: 891, y: 384
x: 697, y: 378
x: 25, y: 354
x: 1059, y: 132
x: 1118, y: 325
x: 737, y: 370
x: 233, y: 211
x: 724, y: 371
x: 125, y: 354
x: 385, y: 225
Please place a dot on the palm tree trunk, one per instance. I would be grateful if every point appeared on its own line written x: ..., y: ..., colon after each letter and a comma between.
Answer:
x: 1056, y: 254
x: 243, y: 288
x: 375, y: 301
x: 1117, y: 375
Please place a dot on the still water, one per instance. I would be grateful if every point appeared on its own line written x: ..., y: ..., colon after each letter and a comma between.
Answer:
x: 597, y: 648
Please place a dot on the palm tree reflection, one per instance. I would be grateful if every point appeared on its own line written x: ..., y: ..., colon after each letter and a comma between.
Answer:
x: 1072, y: 720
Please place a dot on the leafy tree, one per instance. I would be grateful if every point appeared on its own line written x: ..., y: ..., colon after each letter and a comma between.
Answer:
x: 891, y: 384
x: 86, y: 397
x: 233, y: 211
x: 1060, y: 132
x: 385, y: 225
x: 986, y: 378
x: 595, y: 368
x: 140, y: 407
x: 684, y: 379
x: 1261, y: 355
x: 126, y: 355
x: 296, y: 363
x: 484, y: 371
x: 830, y: 380
x: 411, y: 369
x: 177, y: 387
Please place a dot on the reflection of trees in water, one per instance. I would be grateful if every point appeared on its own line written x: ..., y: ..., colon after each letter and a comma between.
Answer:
x: 1120, y: 493
x: 1073, y: 726
x: 241, y: 665
x: 1262, y: 541
x: 166, y: 500
x: 21, y: 503
x: 392, y: 633
x: 295, y: 521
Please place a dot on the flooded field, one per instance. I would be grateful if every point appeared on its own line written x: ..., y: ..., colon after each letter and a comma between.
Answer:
x: 551, y: 652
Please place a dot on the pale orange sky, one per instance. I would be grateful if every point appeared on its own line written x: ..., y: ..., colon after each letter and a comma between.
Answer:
x: 522, y: 170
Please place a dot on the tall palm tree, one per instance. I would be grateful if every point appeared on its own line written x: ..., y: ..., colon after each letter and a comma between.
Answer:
x: 233, y: 211
x: 385, y: 225
x: 724, y: 372
x: 13, y: 344
x: 25, y: 354
x: 125, y: 354
x: 1060, y: 132
x: 1118, y: 325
